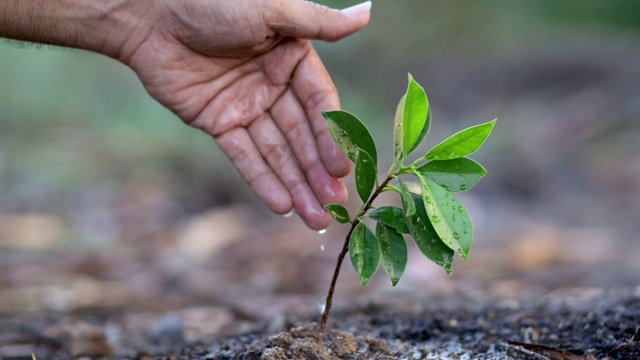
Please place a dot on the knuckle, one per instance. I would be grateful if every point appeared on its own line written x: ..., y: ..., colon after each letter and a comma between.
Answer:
x: 316, y: 99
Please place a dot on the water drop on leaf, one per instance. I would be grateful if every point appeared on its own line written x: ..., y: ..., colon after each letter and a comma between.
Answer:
x: 435, y: 219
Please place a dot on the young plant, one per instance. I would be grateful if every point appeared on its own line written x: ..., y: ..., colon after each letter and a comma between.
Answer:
x: 438, y: 223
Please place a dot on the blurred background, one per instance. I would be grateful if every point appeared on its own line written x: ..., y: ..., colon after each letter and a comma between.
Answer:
x: 106, y: 199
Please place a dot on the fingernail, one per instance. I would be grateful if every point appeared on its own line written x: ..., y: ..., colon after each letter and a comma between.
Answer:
x: 289, y: 214
x: 359, y: 9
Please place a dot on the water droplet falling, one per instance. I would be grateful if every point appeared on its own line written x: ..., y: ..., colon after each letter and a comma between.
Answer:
x: 321, y: 307
x: 322, y: 231
x: 321, y: 247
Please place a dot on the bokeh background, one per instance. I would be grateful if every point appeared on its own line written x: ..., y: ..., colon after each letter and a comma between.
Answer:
x: 106, y: 199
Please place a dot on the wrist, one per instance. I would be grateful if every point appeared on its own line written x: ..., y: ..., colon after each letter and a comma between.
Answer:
x: 109, y: 27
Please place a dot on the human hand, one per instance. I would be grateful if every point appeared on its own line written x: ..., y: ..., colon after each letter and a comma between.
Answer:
x: 245, y: 72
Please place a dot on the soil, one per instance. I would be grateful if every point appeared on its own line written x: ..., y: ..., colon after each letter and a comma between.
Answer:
x: 572, y: 325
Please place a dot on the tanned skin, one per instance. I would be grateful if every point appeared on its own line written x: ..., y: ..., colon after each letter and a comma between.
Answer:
x: 243, y: 71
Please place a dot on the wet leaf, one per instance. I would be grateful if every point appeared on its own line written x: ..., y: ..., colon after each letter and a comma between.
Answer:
x: 366, y: 175
x: 426, y: 237
x: 364, y: 251
x: 393, y: 249
x: 407, y: 201
x: 454, y: 175
x: 350, y: 133
x: 447, y: 215
x: 391, y: 216
x: 398, y: 153
x: 338, y: 212
x: 463, y: 143
x: 424, y: 132
x: 414, y: 117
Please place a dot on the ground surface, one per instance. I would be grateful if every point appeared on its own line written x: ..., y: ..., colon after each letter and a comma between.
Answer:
x: 571, y: 325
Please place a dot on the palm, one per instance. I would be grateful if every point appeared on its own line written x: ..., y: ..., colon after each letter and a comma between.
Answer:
x: 263, y: 109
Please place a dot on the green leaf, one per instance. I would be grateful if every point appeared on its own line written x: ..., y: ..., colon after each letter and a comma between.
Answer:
x: 414, y: 117
x: 366, y: 175
x: 463, y: 143
x: 364, y: 251
x: 407, y: 202
x: 350, y: 133
x: 425, y: 130
x: 338, y: 212
x: 426, y: 237
x: 391, y: 216
x: 454, y: 175
x: 397, y: 135
x: 394, y: 251
x: 450, y: 219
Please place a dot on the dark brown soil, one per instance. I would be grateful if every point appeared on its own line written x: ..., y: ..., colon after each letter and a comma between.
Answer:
x: 580, y: 324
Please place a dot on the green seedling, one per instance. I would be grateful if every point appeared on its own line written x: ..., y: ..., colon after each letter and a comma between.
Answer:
x: 438, y: 222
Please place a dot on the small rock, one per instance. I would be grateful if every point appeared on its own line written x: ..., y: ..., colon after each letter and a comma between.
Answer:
x: 310, y: 350
x: 283, y: 340
x: 276, y: 353
x: 343, y: 343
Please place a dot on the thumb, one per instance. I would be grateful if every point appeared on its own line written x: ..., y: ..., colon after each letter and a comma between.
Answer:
x: 308, y: 20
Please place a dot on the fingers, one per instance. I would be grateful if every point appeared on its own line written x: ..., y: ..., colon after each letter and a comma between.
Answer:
x: 239, y: 147
x: 315, y: 91
x: 277, y: 153
x: 308, y: 20
x: 291, y: 118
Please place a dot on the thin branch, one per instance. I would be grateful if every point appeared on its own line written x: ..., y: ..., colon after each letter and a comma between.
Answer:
x: 343, y: 253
